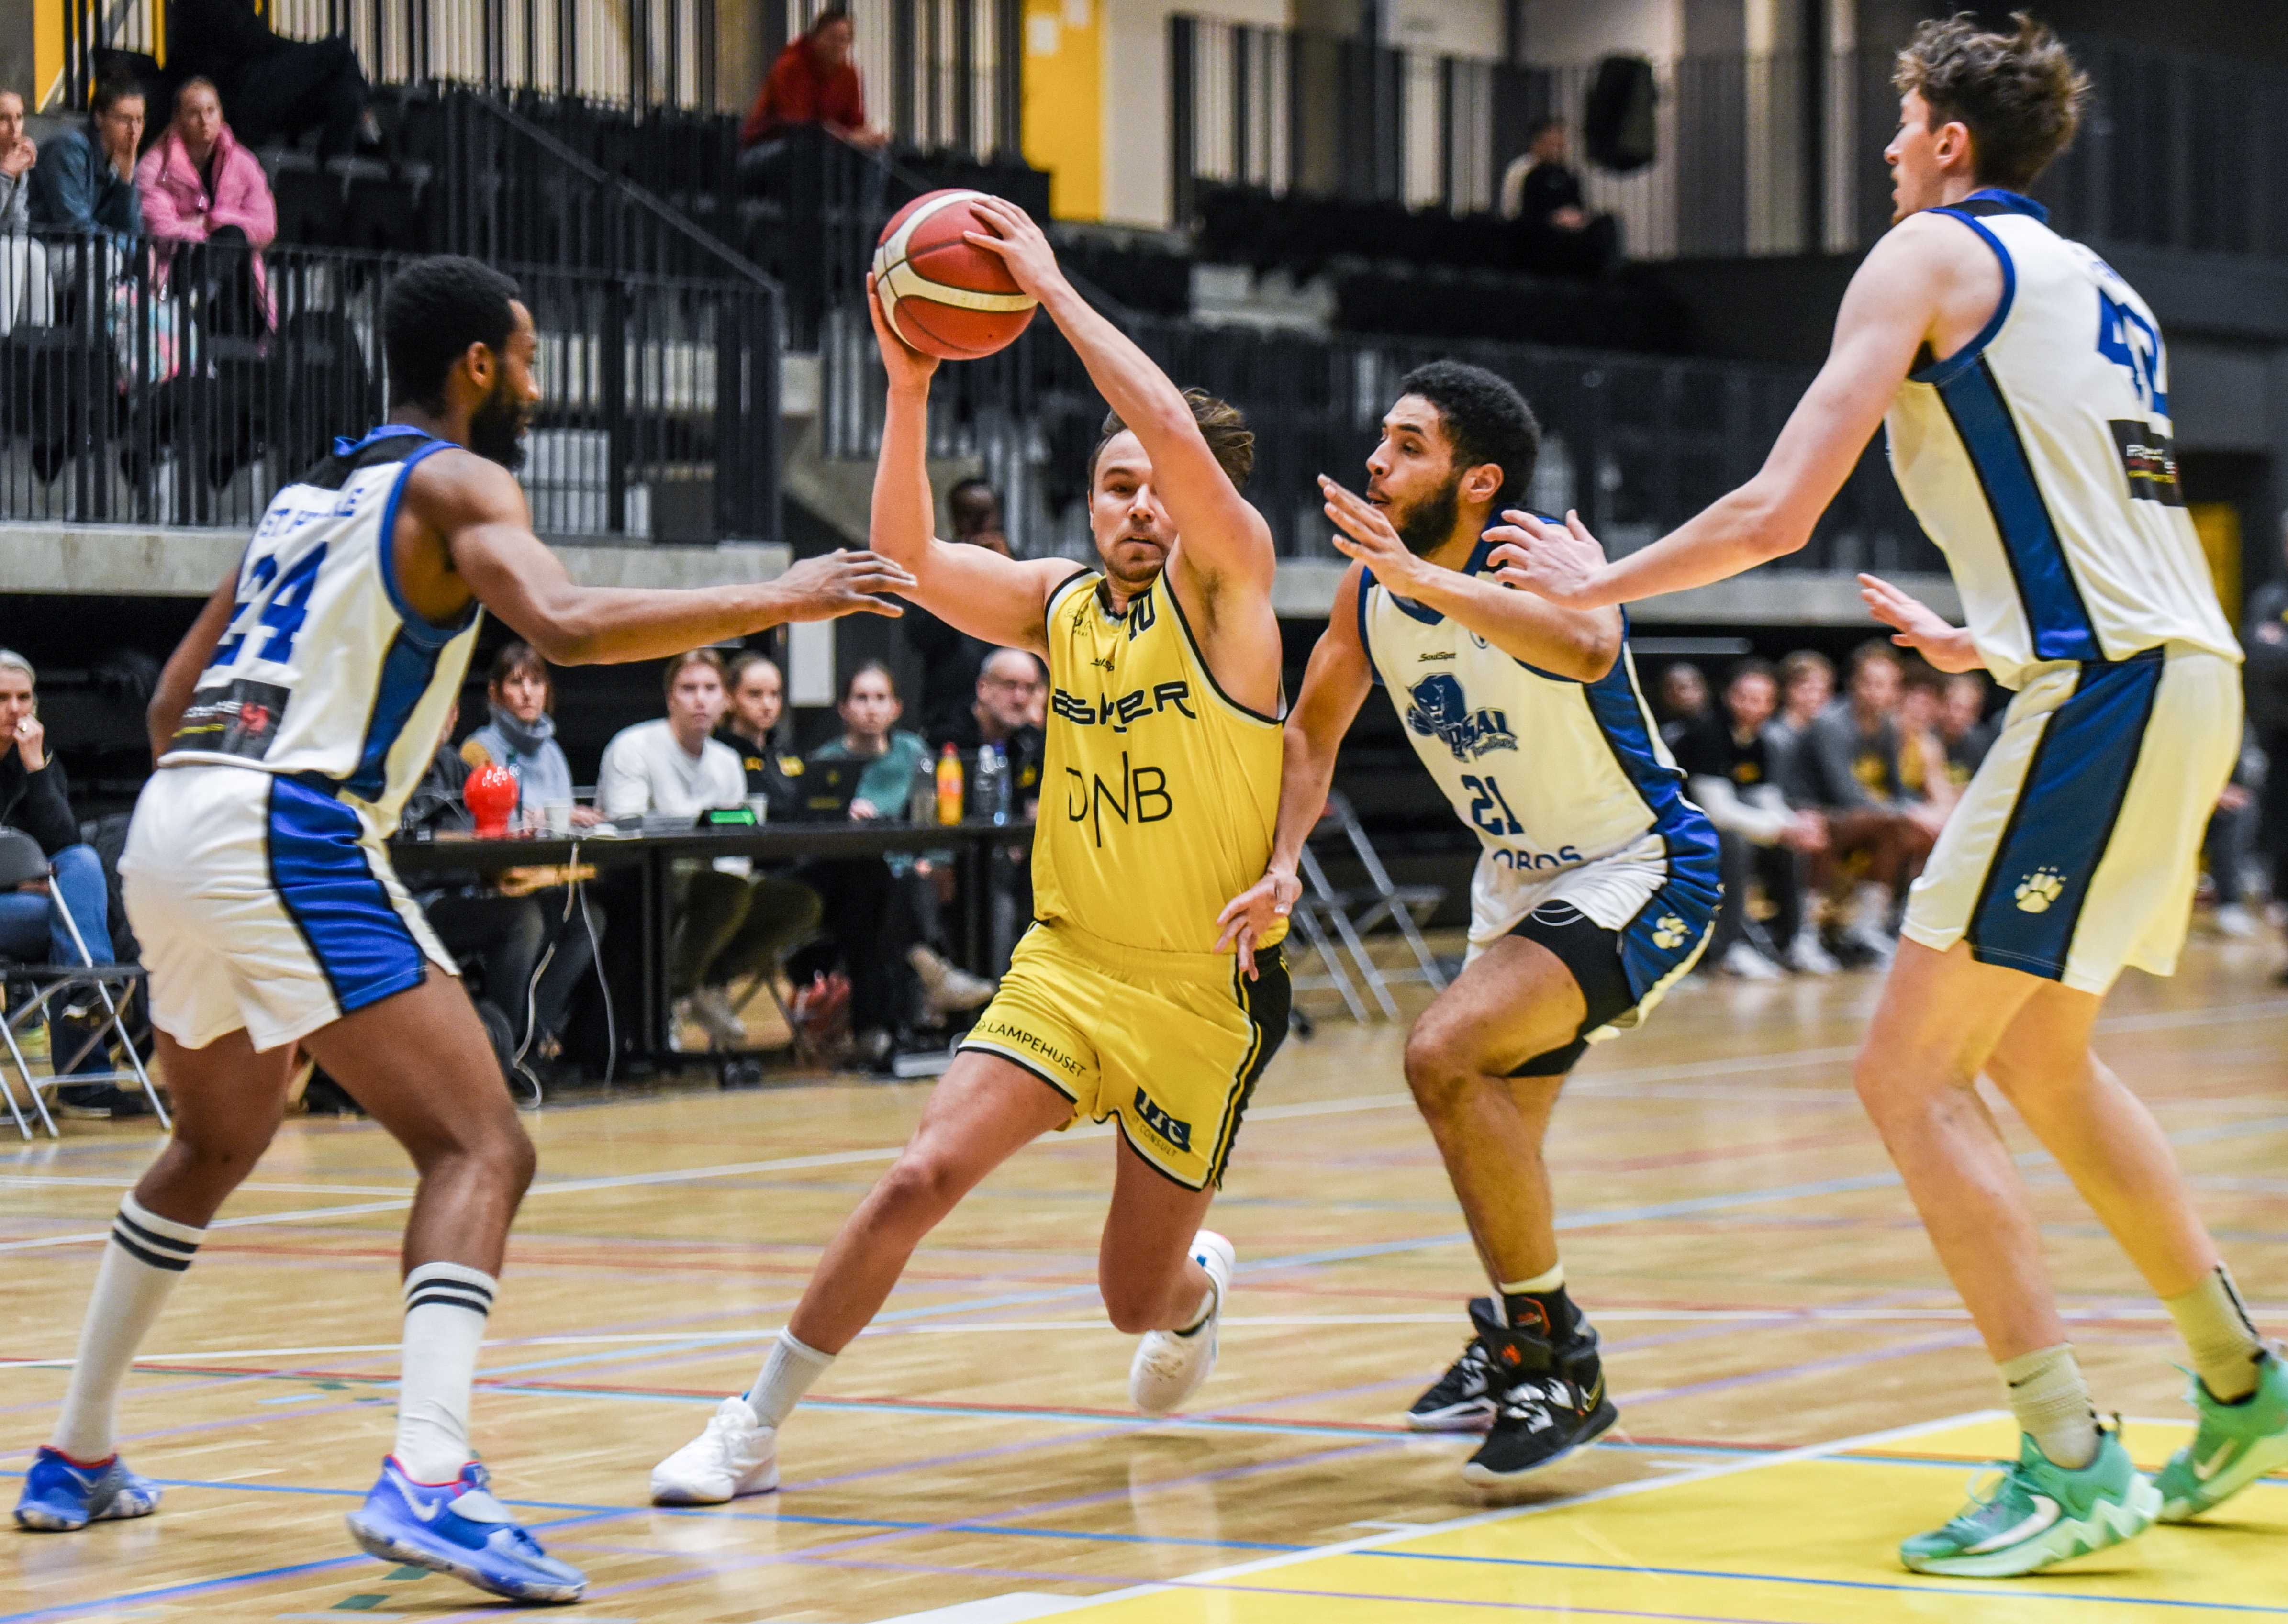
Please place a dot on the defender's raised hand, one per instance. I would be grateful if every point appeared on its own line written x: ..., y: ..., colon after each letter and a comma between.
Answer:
x: 1365, y: 533
x: 1557, y: 562
x: 837, y: 583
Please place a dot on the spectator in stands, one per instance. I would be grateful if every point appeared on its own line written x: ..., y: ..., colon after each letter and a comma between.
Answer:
x: 1926, y: 776
x: 1806, y: 684
x: 1727, y: 761
x: 2265, y: 680
x: 520, y: 924
x: 2230, y: 847
x: 520, y: 737
x: 1849, y: 758
x: 1963, y: 726
x: 1542, y: 192
x: 1011, y: 685
x: 730, y: 923
x: 815, y: 81
x: 85, y: 179
x: 757, y: 701
x: 1683, y: 700
x: 951, y: 658
x: 198, y: 185
x: 35, y: 799
x: 17, y: 154
x: 277, y: 89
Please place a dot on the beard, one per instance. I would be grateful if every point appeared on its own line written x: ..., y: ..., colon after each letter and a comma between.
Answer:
x: 1425, y: 526
x: 497, y: 429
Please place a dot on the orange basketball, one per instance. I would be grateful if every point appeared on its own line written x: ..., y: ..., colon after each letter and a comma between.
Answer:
x: 943, y: 295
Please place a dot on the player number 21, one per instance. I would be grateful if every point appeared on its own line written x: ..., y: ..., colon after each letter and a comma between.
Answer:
x: 1485, y: 796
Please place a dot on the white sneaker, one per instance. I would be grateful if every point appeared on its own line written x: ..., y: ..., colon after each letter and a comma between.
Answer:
x: 735, y: 1457
x: 1807, y: 957
x: 945, y: 987
x: 1170, y: 1366
x: 1744, y: 961
x: 1877, y: 944
x: 2236, y: 922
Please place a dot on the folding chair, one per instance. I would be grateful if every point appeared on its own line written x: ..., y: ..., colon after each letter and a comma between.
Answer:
x: 1305, y: 923
x: 1357, y: 912
x: 43, y: 985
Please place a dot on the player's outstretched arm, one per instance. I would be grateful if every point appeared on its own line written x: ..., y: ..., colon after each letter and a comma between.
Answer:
x: 479, y: 511
x: 1224, y: 540
x: 973, y: 589
x: 1334, y: 686
x: 1581, y: 644
x: 1887, y: 311
x: 1915, y: 624
x: 172, y: 695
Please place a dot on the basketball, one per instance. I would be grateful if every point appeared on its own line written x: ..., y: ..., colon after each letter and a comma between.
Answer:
x: 943, y: 295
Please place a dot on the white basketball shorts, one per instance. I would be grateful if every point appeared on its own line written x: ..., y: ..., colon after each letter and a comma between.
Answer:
x: 264, y: 902
x: 2075, y: 848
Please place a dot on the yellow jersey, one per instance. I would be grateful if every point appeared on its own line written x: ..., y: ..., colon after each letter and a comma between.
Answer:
x: 1159, y: 793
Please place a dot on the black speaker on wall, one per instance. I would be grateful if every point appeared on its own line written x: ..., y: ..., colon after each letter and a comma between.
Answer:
x: 1617, y: 125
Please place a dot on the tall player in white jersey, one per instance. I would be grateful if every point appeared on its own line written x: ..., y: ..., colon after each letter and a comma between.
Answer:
x: 289, y: 728
x: 2024, y: 388
x: 1596, y: 886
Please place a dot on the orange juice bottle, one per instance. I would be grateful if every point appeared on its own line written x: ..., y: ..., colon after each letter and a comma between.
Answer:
x: 949, y: 786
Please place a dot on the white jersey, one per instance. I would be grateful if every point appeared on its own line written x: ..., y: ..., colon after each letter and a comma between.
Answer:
x: 325, y: 673
x: 2038, y: 458
x: 1568, y: 785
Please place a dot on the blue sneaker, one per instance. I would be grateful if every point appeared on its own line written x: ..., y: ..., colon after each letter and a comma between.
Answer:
x: 60, y: 1494
x: 459, y: 1528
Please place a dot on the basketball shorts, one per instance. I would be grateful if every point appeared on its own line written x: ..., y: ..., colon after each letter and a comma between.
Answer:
x: 1628, y: 926
x: 2076, y: 847
x: 263, y: 902
x: 1167, y: 1045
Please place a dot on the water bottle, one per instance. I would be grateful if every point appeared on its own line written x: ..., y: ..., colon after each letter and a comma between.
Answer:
x: 992, y: 798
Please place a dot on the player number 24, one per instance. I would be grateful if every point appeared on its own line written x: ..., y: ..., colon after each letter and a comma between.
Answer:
x: 1485, y: 796
x: 284, y: 601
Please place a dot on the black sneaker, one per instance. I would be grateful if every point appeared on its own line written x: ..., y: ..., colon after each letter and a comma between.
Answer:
x: 1462, y: 1400
x: 1550, y: 1400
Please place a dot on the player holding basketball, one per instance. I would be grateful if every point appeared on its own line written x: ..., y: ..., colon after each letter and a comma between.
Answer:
x: 2025, y: 391
x: 1159, y: 791
x: 1595, y: 888
x: 289, y: 728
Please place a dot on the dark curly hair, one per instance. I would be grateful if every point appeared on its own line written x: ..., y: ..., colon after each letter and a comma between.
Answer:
x: 1485, y: 419
x: 1221, y: 424
x: 2019, y: 94
x: 434, y: 310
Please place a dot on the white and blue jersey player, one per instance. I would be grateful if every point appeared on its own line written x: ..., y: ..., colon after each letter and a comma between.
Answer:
x: 1597, y: 881
x: 2024, y: 390
x: 290, y: 727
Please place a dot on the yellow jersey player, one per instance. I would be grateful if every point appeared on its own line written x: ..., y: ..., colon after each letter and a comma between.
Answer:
x: 1158, y: 799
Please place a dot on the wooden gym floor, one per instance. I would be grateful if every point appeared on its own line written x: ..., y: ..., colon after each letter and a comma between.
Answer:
x: 1797, y: 1389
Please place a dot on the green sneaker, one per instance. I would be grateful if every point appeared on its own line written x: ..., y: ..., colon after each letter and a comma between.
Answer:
x: 2039, y: 1513
x: 2237, y: 1443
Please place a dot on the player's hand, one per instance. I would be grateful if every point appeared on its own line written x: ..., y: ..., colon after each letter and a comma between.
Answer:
x: 909, y: 367
x: 1023, y: 247
x: 1806, y: 831
x: 862, y: 810
x: 1248, y: 917
x: 837, y: 583
x: 1560, y: 563
x: 31, y: 741
x: 1364, y: 531
x: 1915, y: 624
x: 20, y: 157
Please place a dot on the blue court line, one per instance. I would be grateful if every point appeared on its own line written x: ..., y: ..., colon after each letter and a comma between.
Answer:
x: 2015, y: 1592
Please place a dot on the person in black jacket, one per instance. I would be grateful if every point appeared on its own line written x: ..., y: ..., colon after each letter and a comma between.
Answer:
x: 35, y: 798
x: 276, y: 87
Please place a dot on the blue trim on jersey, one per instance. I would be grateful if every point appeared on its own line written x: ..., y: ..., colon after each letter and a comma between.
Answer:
x: 2055, y: 614
x: 1366, y: 645
x: 2011, y: 202
x: 320, y: 869
x: 1946, y: 371
x: 344, y: 445
x: 2064, y: 818
x: 406, y: 671
x: 419, y: 627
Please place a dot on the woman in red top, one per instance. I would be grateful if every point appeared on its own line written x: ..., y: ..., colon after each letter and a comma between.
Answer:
x: 815, y: 81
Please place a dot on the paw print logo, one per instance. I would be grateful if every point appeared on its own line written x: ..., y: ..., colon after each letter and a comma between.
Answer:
x: 2038, y: 890
x: 1669, y: 932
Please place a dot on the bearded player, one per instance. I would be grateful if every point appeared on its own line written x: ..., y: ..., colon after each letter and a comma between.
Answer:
x: 1596, y: 886
x: 1158, y: 792
x: 2024, y: 388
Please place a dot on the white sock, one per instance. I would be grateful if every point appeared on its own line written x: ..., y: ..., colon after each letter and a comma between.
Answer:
x: 1540, y: 1285
x: 145, y: 1257
x: 446, y: 1305
x: 2051, y: 1401
x: 2225, y: 1347
x: 789, y: 1369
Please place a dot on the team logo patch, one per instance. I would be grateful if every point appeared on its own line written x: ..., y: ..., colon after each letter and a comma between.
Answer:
x: 1175, y: 1130
x: 1438, y: 709
x: 239, y: 719
x: 1668, y: 933
x: 2038, y: 890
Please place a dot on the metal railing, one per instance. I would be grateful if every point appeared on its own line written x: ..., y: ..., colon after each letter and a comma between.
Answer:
x: 1757, y: 154
x: 137, y: 388
x: 1637, y: 444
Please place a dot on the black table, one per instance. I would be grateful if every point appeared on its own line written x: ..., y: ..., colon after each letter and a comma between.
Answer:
x: 971, y: 842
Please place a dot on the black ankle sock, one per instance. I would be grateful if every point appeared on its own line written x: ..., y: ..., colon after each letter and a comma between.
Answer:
x: 1547, y: 1314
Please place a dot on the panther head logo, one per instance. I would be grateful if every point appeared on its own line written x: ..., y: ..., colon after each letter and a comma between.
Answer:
x: 2038, y: 890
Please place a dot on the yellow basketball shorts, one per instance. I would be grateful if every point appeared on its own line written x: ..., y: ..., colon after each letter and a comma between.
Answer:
x: 1168, y: 1046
